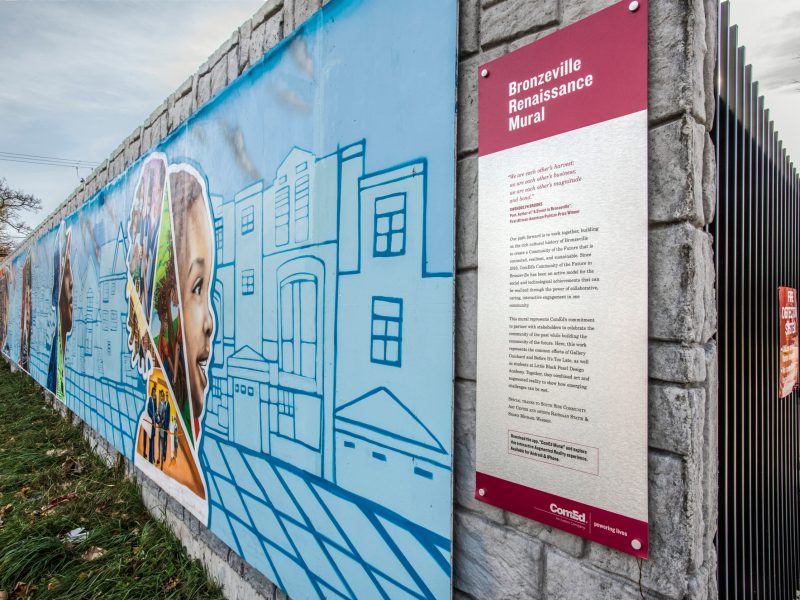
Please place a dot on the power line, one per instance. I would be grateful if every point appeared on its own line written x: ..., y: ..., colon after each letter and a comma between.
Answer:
x: 52, y: 161
x: 70, y: 166
x: 39, y: 156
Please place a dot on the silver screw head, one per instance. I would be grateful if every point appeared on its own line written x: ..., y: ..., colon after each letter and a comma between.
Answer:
x: 633, y: 6
x: 637, y: 545
x: 481, y: 492
x: 484, y: 72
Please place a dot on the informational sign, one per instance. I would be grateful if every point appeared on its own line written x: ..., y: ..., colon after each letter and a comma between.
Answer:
x: 789, y: 348
x: 562, y: 293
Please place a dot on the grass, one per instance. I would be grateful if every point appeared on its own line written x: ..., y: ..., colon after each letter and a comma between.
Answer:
x: 50, y: 484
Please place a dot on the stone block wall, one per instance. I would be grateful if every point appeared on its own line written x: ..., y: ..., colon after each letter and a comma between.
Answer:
x: 498, y: 554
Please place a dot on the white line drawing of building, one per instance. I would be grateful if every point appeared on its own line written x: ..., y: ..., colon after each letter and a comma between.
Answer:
x: 327, y: 317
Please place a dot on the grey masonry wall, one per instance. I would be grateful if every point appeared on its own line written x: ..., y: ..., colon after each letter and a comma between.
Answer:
x: 498, y: 554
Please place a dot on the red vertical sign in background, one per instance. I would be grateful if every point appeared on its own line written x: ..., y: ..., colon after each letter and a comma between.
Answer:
x: 789, y: 349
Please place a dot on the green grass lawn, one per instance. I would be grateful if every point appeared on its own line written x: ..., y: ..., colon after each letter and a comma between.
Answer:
x: 51, y: 484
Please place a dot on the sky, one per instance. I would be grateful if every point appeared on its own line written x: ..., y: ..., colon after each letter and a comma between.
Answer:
x: 78, y: 77
x: 768, y: 29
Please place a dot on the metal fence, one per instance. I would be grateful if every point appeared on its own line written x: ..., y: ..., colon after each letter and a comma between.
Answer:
x: 756, y: 248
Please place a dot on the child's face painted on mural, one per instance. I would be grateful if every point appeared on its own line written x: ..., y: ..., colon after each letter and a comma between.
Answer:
x: 194, y: 258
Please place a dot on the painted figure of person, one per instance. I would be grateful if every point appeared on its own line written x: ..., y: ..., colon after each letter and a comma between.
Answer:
x: 62, y: 302
x: 182, y: 326
x: 4, y: 273
x: 147, y: 427
x: 26, y: 316
x: 194, y: 257
x: 165, y: 414
x: 173, y: 438
x: 150, y: 425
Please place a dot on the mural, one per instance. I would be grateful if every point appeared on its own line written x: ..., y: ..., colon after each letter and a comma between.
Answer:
x: 258, y: 313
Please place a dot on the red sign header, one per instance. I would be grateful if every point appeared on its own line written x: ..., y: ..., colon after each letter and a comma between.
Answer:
x: 584, y: 74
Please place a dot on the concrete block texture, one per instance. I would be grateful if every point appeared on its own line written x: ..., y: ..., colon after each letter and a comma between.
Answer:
x: 673, y: 508
x: 676, y: 419
x: 677, y: 56
x: 464, y: 454
x: 680, y: 283
x: 495, y: 562
x: 509, y: 19
x: 676, y: 362
x: 467, y: 212
x: 469, y: 26
x: 298, y: 11
x: 566, y: 578
x: 675, y: 177
x: 466, y: 324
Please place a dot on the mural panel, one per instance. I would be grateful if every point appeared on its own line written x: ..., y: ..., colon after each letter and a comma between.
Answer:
x: 258, y: 313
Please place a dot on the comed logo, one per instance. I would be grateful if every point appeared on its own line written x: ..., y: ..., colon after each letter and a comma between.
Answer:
x: 569, y: 514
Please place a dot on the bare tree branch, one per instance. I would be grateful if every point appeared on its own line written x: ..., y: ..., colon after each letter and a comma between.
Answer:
x: 13, y: 203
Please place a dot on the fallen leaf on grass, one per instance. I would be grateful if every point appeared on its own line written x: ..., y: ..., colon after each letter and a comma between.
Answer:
x: 55, y: 503
x: 57, y: 452
x: 94, y: 553
x: 171, y: 584
x: 4, y: 510
x: 23, y: 492
x: 53, y: 585
x: 23, y: 590
x: 85, y: 575
x: 72, y: 466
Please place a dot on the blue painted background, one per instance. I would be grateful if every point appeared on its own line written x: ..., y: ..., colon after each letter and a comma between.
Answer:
x: 327, y: 433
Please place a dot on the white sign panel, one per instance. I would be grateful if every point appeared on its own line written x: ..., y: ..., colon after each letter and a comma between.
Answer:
x: 562, y: 293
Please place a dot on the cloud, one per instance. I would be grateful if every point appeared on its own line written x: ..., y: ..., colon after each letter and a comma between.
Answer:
x: 79, y: 76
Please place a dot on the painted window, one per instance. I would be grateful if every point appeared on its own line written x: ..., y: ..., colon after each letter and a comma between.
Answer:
x: 387, y: 331
x: 248, y: 220
x: 301, y: 207
x: 248, y: 282
x: 285, y: 405
x: 90, y: 305
x: 218, y: 235
x: 390, y: 226
x: 298, y: 308
x: 105, y: 292
x: 282, y: 216
x: 303, y: 166
x: 88, y: 343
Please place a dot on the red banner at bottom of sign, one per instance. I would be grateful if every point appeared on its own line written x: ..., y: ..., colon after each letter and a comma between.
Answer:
x: 602, y: 526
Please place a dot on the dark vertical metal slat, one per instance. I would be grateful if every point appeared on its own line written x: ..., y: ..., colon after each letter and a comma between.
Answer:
x: 720, y: 222
x: 758, y: 546
x: 771, y: 249
x: 746, y: 390
x: 779, y: 513
x: 773, y: 367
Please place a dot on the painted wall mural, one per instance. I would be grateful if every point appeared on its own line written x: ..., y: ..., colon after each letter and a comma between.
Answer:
x: 259, y: 312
